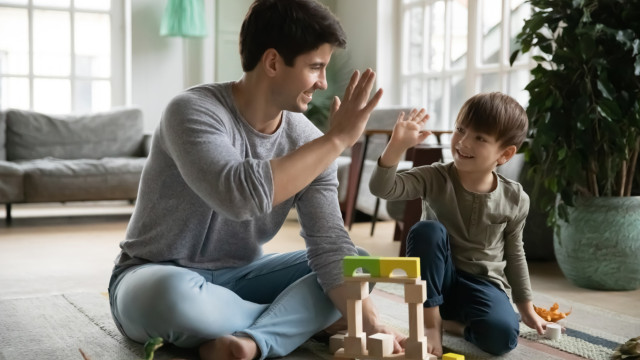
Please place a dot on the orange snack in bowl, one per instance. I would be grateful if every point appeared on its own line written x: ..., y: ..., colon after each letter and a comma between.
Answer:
x: 552, y: 314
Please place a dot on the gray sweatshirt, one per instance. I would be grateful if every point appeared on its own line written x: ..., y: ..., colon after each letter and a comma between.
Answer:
x: 205, y: 197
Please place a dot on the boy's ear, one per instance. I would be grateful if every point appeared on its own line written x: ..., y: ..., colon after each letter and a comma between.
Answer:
x: 507, y: 154
x: 269, y: 61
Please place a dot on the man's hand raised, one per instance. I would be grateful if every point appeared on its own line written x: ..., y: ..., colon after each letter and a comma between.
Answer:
x: 349, y: 116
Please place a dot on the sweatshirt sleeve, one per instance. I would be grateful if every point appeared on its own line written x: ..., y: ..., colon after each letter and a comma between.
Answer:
x: 195, y: 137
x: 388, y: 184
x: 323, y: 228
x: 516, y: 269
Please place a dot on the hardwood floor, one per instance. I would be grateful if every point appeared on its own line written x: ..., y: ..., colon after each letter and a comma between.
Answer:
x: 60, y: 248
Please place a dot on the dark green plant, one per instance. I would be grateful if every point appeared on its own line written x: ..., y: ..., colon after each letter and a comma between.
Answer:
x: 584, y: 107
x: 338, y: 73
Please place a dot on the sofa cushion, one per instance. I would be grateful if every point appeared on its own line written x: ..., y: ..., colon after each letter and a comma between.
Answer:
x: 115, y: 133
x: 11, y: 188
x: 78, y: 180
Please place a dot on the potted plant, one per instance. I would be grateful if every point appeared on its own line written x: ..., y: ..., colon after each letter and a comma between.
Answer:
x: 584, y: 113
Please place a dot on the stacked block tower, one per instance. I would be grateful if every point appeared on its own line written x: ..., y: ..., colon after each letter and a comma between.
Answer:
x: 355, y: 344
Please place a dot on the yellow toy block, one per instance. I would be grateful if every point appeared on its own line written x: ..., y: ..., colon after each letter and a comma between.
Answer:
x: 369, y: 264
x: 452, y: 356
x: 410, y: 265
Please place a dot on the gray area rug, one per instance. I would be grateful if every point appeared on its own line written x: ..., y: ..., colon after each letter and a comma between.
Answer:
x: 57, y: 326
x: 592, y: 333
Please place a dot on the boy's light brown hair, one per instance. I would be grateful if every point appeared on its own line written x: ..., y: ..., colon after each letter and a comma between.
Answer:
x: 495, y: 114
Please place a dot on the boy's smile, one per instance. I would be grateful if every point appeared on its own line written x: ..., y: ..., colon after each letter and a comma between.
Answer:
x: 476, y: 155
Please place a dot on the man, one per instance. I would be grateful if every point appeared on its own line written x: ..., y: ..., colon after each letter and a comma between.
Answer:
x: 227, y: 163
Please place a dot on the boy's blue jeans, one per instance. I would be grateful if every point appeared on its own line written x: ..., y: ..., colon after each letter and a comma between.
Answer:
x: 275, y: 300
x: 485, y: 310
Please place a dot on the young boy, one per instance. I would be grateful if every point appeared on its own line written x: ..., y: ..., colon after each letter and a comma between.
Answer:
x: 472, y: 251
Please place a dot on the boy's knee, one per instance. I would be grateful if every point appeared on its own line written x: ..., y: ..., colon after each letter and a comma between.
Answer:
x: 424, y: 235
x: 497, y: 337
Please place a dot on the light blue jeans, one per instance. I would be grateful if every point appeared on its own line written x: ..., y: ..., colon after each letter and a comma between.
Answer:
x: 275, y: 300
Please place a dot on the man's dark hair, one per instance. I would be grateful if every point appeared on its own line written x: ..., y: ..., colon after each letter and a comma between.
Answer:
x: 291, y: 27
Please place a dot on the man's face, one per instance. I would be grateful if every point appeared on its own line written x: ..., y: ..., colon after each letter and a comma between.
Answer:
x: 296, y: 84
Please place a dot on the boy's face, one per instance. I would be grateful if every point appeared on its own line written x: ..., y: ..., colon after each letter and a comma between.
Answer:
x: 476, y: 152
x: 296, y: 84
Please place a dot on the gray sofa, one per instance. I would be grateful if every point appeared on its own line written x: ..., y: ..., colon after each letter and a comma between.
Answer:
x: 47, y: 158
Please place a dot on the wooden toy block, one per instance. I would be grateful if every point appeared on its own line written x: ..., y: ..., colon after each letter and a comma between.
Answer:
x: 452, y: 356
x: 369, y: 264
x: 354, y: 317
x: 357, y: 290
x: 380, y: 345
x: 416, y: 350
x: 355, y: 345
x: 415, y: 293
x: 410, y: 265
x: 336, y: 342
x: 416, y: 322
x: 395, y: 279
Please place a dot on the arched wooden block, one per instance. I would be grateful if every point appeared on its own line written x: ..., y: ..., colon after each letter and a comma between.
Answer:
x: 369, y: 264
x: 410, y: 265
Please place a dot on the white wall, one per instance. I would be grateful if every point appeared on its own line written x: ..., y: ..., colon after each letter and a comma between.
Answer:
x: 161, y: 67
x: 372, y: 29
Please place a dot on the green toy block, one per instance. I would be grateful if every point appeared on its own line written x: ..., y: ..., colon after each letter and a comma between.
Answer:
x: 369, y: 264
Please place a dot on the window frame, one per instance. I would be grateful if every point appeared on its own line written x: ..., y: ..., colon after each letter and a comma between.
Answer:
x: 473, y: 69
x: 120, y: 52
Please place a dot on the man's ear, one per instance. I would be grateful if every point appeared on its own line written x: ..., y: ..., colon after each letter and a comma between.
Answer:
x: 270, y: 61
x: 507, y: 154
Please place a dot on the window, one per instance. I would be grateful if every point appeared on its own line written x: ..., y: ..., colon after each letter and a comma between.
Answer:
x: 452, y: 49
x: 58, y: 56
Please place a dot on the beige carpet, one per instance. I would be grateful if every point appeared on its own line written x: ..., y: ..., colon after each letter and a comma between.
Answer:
x: 57, y: 326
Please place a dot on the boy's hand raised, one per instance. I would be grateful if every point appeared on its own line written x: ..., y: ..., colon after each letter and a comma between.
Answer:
x: 407, y: 133
x: 349, y: 116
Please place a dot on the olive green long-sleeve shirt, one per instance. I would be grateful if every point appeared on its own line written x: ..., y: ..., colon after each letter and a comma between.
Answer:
x: 485, y: 230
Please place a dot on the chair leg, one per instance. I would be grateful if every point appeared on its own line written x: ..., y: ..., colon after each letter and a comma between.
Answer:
x: 8, y: 216
x: 374, y: 217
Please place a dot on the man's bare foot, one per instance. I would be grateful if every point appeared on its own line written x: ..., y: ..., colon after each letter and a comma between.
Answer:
x: 453, y: 327
x: 434, y: 341
x: 229, y: 348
